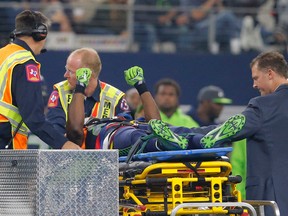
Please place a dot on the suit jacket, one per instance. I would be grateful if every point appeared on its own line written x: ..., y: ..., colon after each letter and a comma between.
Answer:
x: 266, y: 130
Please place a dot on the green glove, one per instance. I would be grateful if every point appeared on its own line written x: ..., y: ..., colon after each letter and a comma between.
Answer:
x: 83, y: 76
x: 134, y: 76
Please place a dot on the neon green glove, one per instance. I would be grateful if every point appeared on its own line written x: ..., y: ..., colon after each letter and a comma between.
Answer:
x: 83, y: 76
x: 134, y: 76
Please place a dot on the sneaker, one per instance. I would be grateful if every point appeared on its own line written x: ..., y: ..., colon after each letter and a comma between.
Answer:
x: 222, y: 133
x: 168, y: 139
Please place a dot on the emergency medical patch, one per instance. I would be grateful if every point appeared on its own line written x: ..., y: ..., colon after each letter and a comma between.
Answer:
x: 124, y: 105
x: 53, y: 99
x: 33, y: 73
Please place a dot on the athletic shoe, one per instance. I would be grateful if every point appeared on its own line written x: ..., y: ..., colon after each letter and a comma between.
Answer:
x: 168, y: 140
x: 222, y: 133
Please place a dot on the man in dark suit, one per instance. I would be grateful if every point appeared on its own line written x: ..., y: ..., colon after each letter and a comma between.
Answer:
x: 264, y: 124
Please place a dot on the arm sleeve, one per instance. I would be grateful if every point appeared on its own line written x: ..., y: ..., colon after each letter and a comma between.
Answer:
x: 56, y: 115
x: 237, y: 127
x: 28, y: 98
x: 253, y: 121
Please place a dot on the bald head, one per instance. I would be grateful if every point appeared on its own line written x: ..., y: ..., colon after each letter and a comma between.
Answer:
x: 89, y: 58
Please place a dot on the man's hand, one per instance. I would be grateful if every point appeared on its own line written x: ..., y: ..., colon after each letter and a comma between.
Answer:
x: 134, y: 75
x: 83, y: 76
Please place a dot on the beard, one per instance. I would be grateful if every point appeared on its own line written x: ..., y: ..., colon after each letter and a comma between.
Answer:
x: 166, y: 109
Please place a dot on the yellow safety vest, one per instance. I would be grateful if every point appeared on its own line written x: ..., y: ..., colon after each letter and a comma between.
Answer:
x: 104, y: 108
x: 10, y: 56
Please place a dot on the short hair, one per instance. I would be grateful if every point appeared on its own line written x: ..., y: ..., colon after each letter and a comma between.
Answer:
x: 271, y: 60
x: 89, y: 59
x: 28, y: 20
x: 168, y: 82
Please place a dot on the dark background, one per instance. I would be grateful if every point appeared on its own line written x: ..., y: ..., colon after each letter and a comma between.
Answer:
x: 231, y: 72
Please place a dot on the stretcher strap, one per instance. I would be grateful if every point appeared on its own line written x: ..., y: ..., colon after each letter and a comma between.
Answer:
x: 194, y: 169
x: 112, y: 134
x: 96, y: 121
x: 110, y: 128
x: 166, y: 195
x: 136, y: 149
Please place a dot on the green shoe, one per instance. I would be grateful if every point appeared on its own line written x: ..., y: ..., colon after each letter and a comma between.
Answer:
x: 167, y: 139
x: 222, y: 133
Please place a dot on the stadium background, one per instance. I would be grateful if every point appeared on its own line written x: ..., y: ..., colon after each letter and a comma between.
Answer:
x: 231, y: 72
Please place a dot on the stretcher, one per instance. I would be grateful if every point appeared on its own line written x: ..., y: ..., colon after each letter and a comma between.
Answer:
x: 156, y: 183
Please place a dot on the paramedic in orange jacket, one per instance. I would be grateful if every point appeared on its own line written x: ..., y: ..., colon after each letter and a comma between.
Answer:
x: 21, y: 101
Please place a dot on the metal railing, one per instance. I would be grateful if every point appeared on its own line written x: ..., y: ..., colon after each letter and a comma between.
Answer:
x: 252, y: 211
x: 128, y: 27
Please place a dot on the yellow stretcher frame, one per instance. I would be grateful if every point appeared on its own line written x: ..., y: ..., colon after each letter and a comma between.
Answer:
x: 178, y: 177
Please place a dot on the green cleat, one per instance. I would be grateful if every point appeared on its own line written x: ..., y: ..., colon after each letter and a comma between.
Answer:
x: 168, y: 140
x: 222, y: 133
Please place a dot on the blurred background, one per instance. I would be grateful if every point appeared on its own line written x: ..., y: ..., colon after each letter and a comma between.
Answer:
x: 195, y: 42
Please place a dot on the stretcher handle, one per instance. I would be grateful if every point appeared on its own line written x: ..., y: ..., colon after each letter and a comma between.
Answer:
x: 235, y: 179
x: 123, y: 183
x: 236, y: 211
x: 250, y: 208
x: 271, y: 203
x: 156, y: 181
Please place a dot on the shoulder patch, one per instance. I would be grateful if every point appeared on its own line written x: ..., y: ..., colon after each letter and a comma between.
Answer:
x: 53, y: 99
x: 124, y: 105
x: 33, y: 73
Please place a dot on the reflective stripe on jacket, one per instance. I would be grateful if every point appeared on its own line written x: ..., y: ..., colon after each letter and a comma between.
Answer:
x: 104, y: 108
x: 10, y: 56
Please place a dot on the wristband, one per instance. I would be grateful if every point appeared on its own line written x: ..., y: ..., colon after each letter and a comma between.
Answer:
x: 79, y: 89
x: 141, y: 88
